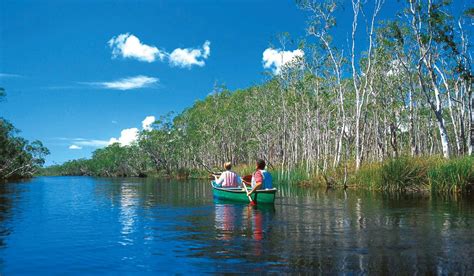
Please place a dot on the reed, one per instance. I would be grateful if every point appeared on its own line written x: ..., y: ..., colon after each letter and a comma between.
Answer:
x: 452, y: 176
x: 369, y: 176
x: 404, y: 173
x: 293, y: 176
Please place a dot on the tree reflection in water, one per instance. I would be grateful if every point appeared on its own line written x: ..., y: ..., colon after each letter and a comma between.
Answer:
x: 175, y: 226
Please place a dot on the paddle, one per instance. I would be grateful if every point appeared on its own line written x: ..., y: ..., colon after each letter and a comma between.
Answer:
x: 208, y: 169
x: 245, y: 187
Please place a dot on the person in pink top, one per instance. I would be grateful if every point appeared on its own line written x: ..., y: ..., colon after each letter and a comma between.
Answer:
x: 228, y: 179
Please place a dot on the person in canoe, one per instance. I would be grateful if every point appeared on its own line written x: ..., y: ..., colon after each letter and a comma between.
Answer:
x: 261, y: 179
x: 228, y: 179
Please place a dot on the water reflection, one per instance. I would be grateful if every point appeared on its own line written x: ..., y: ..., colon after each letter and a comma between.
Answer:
x: 130, y: 225
x: 128, y: 207
x: 233, y: 219
x: 10, y: 195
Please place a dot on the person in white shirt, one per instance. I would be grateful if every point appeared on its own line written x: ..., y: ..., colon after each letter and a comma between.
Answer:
x: 228, y: 179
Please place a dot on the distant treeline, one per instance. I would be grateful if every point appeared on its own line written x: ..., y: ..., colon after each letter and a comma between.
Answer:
x: 18, y: 157
x: 407, y: 93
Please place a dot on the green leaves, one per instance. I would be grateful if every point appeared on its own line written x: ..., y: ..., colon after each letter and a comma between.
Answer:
x: 18, y: 157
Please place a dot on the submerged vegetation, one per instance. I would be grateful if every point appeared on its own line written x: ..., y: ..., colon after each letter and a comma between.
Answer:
x: 380, y: 117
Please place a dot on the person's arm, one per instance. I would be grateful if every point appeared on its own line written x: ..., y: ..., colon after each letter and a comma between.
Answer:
x: 219, y: 180
x: 258, y: 182
x: 256, y: 187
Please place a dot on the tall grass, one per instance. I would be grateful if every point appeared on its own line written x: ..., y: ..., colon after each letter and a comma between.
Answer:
x: 369, y: 176
x: 404, y: 173
x: 437, y: 174
x: 294, y: 176
x: 455, y: 175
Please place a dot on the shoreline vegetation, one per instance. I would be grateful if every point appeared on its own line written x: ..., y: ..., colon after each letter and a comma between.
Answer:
x: 19, y: 158
x: 405, y: 174
x: 394, y: 110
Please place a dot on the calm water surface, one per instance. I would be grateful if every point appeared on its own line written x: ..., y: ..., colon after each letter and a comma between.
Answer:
x: 79, y: 225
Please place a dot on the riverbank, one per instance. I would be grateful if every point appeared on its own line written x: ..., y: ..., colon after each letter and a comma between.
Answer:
x: 434, y: 174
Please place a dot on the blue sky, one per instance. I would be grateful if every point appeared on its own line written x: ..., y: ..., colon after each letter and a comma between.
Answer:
x: 65, y: 78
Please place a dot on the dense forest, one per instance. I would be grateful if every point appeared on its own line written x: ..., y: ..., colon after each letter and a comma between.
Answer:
x: 407, y: 92
x: 18, y: 157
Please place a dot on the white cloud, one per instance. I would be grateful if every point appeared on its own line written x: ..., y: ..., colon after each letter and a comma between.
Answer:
x: 185, y: 58
x: 5, y: 75
x: 275, y: 59
x: 129, y: 46
x: 207, y: 49
x: 90, y: 142
x: 127, y: 137
x: 147, y: 122
x: 126, y: 83
x: 77, y: 143
x: 75, y: 147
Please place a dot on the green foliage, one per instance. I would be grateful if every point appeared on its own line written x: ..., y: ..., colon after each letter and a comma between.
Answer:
x: 369, y: 176
x: 408, y: 174
x: 456, y: 175
x: 18, y: 157
x: 303, y: 120
x: 401, y: 174
x: 112, y: 161
x: 293, y: 176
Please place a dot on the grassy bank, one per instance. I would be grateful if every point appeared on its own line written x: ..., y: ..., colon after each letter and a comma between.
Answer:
x: 433, y: 174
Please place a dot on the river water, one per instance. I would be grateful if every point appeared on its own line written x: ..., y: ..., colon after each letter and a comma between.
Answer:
x: 84, y: 225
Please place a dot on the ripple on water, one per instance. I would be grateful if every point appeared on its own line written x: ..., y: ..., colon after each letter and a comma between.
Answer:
x: 63, y: 225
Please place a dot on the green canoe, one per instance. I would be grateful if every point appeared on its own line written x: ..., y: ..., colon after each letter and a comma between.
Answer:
x: 266, y: 196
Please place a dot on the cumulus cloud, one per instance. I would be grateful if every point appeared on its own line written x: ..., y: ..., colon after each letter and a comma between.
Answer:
x: 127, y: 137
x: 126, y: 83
x: 147, y: 122
x: 275, y: 59
x: 129, y: 46
x: 75, y: 147
x: 185, y: 58
x: 130, y: 135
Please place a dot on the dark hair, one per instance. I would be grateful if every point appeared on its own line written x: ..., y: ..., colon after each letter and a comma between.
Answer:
x: 261, y: 164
